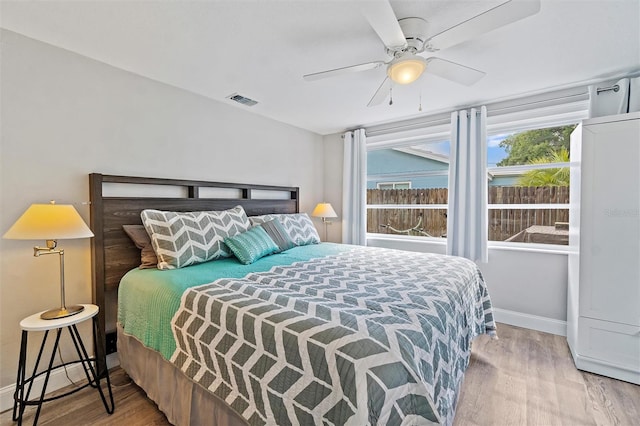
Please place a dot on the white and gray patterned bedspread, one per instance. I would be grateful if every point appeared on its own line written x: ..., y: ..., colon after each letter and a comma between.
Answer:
x: 369, y: 336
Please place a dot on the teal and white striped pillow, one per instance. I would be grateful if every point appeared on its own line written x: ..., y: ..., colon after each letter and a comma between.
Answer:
x: 278, y: 234
x: 298, y: 225
x: 251, y: 245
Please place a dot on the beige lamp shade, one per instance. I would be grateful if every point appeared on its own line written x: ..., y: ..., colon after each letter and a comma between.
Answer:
x: 49, y: 222
x: 324, y: 210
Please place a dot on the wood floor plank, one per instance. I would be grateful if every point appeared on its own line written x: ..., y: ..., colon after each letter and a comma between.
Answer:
x: 133, y: 408
x: 524, y: 378
x: 614, y: 403
x: 528, y: 378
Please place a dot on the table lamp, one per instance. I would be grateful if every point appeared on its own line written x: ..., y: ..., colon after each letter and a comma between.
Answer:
x: 51, y: 222
x: 324, y: 210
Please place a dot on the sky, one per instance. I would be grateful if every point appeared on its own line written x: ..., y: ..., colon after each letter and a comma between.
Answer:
x: 495, y: 153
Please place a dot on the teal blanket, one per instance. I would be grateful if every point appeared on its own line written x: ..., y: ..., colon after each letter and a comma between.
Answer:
x: 149, y: 298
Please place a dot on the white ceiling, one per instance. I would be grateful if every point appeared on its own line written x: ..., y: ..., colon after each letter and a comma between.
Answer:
x: 261, y: 49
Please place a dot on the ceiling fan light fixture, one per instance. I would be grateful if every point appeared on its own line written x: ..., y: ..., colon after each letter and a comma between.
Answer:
x: 406, y: 69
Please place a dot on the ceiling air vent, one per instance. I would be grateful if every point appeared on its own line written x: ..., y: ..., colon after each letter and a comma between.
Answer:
x: 242, y: 100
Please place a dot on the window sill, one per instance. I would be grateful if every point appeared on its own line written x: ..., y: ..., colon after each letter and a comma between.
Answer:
x: 411, y: 238
x: 493, y: 245
x: 529, y: 247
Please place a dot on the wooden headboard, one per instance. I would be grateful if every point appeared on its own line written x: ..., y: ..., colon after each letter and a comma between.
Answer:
x: 112, y: 251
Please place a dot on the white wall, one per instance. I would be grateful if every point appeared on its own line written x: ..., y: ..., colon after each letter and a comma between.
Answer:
x: 528, y: 282
x: 64, y: 116
x: 333, y: 155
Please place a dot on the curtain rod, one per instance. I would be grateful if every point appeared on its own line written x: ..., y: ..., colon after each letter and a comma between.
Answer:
x: 408, y: 126
x: 583, y: 86
x: 583, y: 96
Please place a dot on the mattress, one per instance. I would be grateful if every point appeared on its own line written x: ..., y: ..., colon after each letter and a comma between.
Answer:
x: 327, y: 333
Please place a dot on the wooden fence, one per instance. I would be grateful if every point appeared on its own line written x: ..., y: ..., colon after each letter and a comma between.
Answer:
x: 503, y: 223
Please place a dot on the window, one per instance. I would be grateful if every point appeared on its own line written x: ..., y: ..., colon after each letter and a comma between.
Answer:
x: 407, y: 189
x: 529, y: 185
x: 394, y: 185
x: 527, y: 179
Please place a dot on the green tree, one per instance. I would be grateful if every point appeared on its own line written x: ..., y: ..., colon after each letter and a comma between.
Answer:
x: 530, y: 145
x: 548, y: 177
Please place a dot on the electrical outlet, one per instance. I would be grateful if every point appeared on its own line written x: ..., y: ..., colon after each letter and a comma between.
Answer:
x: 112, y: 342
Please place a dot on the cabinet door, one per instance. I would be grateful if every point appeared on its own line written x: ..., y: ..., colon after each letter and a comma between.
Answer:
x: 610, y: 222
x: 573, y: 289
x: 615, y: 346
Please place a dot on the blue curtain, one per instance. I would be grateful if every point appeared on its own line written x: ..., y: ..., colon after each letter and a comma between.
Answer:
x: 467, y: 221
x: 354, y: 189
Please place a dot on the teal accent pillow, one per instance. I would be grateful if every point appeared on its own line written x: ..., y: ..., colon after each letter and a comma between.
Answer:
x: 251, y: 245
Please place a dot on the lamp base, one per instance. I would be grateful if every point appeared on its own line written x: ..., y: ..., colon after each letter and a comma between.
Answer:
x: 61, y: 313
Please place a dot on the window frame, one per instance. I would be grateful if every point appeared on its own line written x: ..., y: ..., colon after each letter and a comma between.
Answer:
x: 433, y: 134
x: 511, y: 128
x: 393, y: 184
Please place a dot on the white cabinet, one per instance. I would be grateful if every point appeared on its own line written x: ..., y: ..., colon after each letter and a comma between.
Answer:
x: 603, y: 312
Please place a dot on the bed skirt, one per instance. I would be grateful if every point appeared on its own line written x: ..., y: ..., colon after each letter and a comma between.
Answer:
x: 180, y: 399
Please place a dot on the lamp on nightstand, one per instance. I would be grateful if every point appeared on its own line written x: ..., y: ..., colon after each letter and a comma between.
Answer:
x: 324, y: 210
x: 51, y: 222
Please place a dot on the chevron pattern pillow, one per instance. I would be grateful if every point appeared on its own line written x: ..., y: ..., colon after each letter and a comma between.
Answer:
x: 251, y: 245
x: 185, y: 238
x: 298, y: 225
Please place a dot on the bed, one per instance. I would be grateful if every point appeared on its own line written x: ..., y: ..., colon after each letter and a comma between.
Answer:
x: 317, y: 334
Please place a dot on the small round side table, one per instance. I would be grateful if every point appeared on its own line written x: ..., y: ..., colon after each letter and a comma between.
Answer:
x: 35, y: 323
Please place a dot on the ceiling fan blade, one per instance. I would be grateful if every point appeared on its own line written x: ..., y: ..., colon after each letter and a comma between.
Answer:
x: 499, y: 16
x: 381, y: 94
x: 454, y: 72
x: 343, y: 70
x: 384, y: 22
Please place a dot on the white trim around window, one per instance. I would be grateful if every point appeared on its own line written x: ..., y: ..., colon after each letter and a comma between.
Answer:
x: 394, y: 185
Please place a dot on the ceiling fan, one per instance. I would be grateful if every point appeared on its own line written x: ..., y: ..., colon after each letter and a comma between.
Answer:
x: 407, y: 41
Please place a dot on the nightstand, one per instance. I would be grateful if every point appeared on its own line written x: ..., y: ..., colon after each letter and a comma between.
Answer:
x: 24, y: 384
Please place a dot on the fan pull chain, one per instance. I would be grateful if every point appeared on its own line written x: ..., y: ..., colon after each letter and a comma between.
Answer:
x: 420, y: 105
x: 391, y: 95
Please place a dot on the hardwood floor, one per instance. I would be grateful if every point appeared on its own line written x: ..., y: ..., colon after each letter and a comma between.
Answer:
x: 528, y: 378
x: 133, y: 408
x: 524, y: 378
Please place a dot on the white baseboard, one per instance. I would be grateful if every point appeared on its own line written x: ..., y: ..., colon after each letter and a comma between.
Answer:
x: 533, y: 322
x: 57, y: 380
x: 606, y: 368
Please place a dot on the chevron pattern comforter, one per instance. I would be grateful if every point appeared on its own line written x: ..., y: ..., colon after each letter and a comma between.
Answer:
x: 368, y: 336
